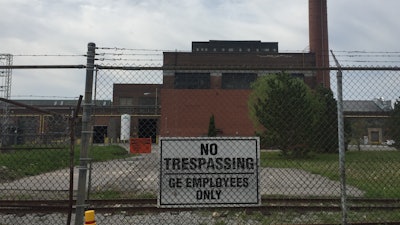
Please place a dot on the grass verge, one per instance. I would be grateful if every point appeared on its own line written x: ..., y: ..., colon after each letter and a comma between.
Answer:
x: 21, y: 163
x: 375, y: 172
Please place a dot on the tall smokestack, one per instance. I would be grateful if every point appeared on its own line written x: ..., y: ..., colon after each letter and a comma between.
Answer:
x: 318, y: 31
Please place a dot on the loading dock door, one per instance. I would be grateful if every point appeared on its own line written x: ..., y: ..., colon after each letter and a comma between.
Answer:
x: 148, y: 129
x: 99, y: 133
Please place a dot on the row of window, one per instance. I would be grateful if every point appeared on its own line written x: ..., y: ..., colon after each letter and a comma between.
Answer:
x: 202, y: 80
x: 143, y: 101
x: 236, y: 50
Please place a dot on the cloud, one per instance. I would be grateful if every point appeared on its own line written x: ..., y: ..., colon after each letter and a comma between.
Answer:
x: 66, y: 26
x: 364, y: 25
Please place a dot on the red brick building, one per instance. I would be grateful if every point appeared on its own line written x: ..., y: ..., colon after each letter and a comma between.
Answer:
x: 215, y: 77
x: 212, y: 79
x: 141, y: 103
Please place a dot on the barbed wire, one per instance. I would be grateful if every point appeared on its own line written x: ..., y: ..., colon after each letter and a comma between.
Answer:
x: 369, y: 52
x: 140, y: 49
x: 43, y: 96
x: 131, y: 54
x: 369, y: 61
x: 368, y: 56
x: 49, y: 55
x: 127, y: 54
x: 127, y: 59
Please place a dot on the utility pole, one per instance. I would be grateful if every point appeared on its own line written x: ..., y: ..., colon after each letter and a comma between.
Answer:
x: 86, y: 134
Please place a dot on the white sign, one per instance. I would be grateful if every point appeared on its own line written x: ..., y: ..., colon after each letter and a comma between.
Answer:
x: 209, y: 172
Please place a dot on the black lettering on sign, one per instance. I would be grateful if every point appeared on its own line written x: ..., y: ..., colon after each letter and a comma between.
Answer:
x: 209, y: 149
x: 208, y: 194
x: 175, y: 182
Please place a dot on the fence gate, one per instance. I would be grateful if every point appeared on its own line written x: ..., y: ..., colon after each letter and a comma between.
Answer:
x: 37, y: 163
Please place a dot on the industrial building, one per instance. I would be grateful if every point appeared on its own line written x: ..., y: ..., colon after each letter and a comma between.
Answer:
x: 214, y: 79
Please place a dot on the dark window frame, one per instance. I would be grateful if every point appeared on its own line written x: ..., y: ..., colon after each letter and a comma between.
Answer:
x: 192, y: 81
x: 237, y: 80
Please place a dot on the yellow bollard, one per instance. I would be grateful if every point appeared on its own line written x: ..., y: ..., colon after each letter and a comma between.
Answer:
x: 89, y: 217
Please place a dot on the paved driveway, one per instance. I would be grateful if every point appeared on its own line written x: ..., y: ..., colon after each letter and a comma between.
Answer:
x: 140, y: 173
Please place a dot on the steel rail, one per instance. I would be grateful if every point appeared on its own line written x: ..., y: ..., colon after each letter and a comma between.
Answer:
x: 150, y: 206
x: 151, y: 201
x: 269, y: 204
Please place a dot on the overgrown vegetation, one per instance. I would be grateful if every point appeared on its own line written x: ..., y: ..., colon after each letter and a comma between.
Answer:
x: 21, y: 163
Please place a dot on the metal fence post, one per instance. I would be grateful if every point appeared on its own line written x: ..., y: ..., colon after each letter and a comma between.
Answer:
x: 86, y: 134
x: 342, y: 150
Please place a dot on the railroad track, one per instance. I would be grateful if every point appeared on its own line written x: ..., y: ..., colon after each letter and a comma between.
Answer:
x: 128, y: 206
x: 150, y: 205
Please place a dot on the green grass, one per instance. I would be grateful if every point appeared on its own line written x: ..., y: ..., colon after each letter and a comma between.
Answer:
x: 21, y: 163
x: 309, y: 217
x: 375, y: 172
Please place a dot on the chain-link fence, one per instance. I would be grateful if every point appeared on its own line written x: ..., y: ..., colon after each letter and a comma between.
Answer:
x: 299, y: 175
x: 36, y: 161
x: 207, y: 145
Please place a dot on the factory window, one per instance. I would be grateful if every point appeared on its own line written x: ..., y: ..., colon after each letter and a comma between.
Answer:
x: 238, y: 80
x: 192, y: 80
x: 147, y: 101
x: 125, y: 101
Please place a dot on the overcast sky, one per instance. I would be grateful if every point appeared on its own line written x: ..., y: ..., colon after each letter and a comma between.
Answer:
x: 63, y: 27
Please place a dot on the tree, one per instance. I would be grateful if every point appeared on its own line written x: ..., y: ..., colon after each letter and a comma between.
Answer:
x: 284, y: 106
x: 394, y: 122
x: 326, y: 130
x: 212, y: 131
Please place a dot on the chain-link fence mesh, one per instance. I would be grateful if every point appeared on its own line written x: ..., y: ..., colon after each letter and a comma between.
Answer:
x: 138, y: 108
x: 299, y: 166
x: 34, y: 162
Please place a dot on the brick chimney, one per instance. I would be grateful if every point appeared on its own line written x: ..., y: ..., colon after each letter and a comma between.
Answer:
x: 318, y: 33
